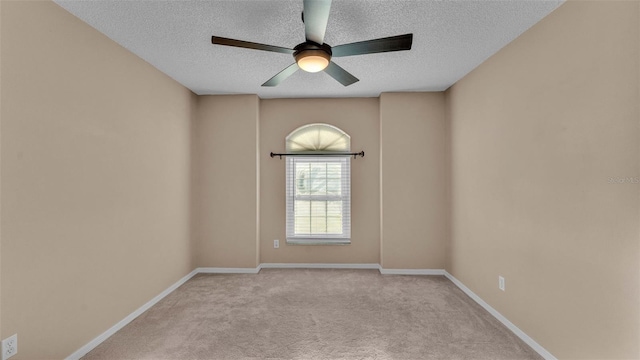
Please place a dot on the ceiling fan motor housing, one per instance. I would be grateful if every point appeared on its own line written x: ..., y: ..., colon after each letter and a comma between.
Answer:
x: 311, y: 48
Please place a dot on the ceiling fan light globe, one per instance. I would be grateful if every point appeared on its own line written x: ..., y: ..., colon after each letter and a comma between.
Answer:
x: 312, y: 60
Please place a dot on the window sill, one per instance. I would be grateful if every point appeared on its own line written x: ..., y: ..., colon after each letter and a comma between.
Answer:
x: 318, y: 241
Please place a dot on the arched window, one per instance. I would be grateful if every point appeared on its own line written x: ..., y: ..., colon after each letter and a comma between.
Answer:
x: 318, y: 186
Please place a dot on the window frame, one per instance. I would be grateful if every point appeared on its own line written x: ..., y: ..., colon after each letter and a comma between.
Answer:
x: 344, y: 238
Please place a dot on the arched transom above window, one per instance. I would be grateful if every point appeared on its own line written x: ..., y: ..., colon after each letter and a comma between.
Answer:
x: 318, y: 137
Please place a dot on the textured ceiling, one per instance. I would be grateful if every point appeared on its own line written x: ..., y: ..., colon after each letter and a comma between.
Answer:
x: 450, y: 39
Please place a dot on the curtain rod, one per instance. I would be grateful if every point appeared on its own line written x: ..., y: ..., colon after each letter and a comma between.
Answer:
x: 361, y: 153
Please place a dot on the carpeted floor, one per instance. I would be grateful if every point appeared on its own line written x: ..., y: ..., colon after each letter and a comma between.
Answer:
x: 315, y: 314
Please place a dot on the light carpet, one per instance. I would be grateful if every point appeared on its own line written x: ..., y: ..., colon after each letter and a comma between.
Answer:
x: 315, y: 314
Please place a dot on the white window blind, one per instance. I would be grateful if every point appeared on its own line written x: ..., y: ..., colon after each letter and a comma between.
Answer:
x: 318, y: 199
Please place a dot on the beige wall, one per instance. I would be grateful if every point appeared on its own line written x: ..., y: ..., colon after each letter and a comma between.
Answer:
x: 414, y: 174
x: 226, y: 181
x: 117, y: 181
x: 359, y: 119
x: 412, y: 129
x: 538, y: 131
x: 95, y: 180
x: 0, y: 172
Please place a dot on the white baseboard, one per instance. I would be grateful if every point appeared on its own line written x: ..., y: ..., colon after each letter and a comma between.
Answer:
x: 215, y: 270
x: 318, y: 266
x: 122, y: 323
x: 411, y: 271
x: 519, y: 333
x: 218, y: 270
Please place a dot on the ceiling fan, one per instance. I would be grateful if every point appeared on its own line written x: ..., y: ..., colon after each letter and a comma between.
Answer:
x: 314, y: 55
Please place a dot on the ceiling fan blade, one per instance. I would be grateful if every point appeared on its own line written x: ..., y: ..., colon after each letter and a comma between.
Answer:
x: 340, y: 74
x: 282, y: 75
x: 392, y: 43
x: 316, y: 16
x: 249, y: 45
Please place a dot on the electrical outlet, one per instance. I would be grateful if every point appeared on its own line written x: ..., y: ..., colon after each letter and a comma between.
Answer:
x: 276, y: 244
x: 500, y: 283
x: 9, y: 346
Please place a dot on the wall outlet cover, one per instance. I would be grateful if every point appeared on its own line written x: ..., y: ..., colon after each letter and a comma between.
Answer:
x: 9, y: 346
